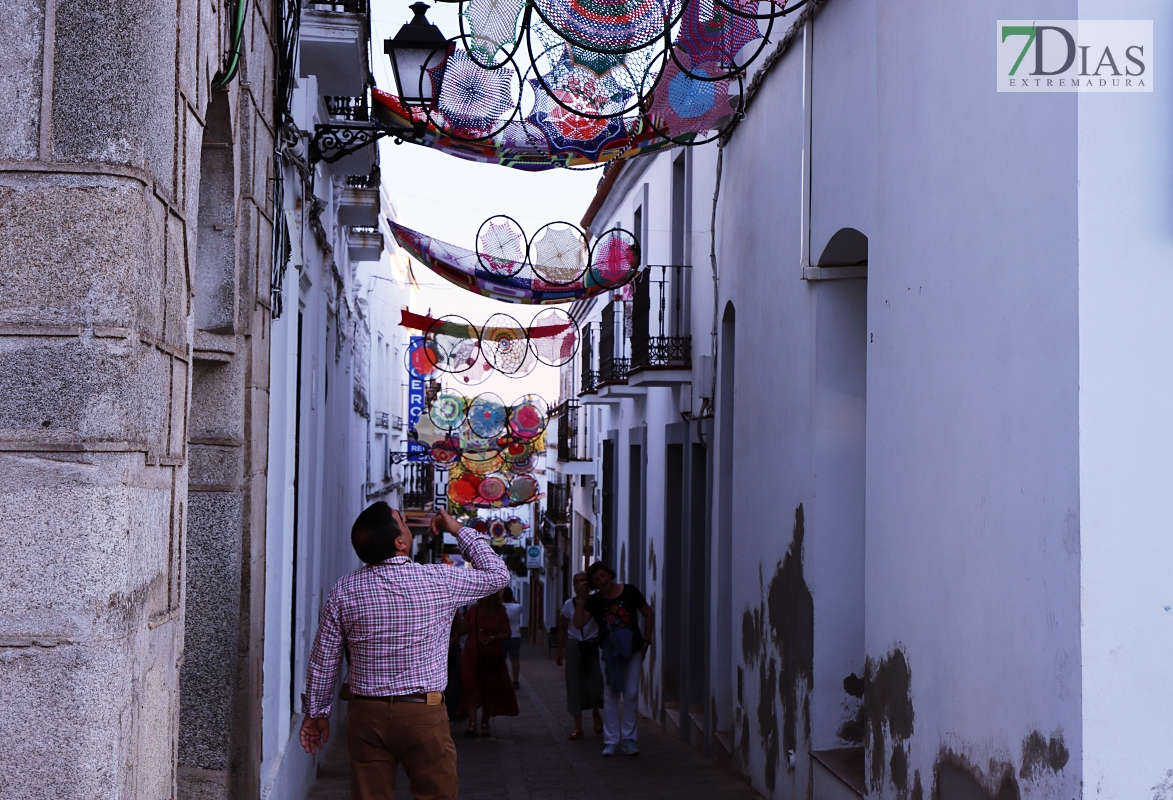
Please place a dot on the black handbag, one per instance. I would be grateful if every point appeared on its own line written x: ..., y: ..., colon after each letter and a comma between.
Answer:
x: 588, y: 654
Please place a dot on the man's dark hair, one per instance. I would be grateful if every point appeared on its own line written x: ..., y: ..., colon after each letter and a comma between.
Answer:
x: 595, y: 567
x: 507, y: 595
x: 374, y: 533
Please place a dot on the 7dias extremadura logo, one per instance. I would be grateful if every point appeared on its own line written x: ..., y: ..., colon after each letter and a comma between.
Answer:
x: 1068, y: 55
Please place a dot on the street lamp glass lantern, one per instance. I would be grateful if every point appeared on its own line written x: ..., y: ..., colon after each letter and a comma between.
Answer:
x: 418, y: 46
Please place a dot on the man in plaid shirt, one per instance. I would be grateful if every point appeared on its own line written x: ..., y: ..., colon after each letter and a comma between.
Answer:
x: 393, y: 618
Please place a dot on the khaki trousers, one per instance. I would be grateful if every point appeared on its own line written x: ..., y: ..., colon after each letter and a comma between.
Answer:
x: 382, y: 734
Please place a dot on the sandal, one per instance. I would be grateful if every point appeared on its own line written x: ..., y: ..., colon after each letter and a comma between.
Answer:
x: 576, y: 735
x: 598, y: 725
x: 470, y: 733
x: 485, y: 733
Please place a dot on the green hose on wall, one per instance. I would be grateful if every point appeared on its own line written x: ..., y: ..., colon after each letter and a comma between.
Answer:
x: 225, y: 76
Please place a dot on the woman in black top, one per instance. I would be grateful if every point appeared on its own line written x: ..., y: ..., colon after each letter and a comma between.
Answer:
x: 616, y: 608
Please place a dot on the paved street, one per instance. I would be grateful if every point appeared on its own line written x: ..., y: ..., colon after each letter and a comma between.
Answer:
x: 530, y: 758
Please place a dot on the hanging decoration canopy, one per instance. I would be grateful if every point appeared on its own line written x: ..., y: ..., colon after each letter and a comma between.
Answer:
x: 520, y: 145
x: 559, y: 267
x: 453, y: 345
x: 501, y: 530
x: 497, y: 489
x: 538, y: 84
x: 467, y: 489
x: 483, y: 433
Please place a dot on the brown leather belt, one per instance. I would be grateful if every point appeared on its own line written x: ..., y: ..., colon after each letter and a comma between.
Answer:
x: 431, y: 698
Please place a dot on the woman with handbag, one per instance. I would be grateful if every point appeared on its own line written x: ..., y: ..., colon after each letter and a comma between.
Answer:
x: 487, y: 684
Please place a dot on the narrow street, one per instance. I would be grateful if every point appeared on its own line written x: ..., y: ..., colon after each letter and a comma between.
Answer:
x: 530, y: 758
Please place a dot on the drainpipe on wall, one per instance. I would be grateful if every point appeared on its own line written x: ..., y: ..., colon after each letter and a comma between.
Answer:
x: 809, y: 271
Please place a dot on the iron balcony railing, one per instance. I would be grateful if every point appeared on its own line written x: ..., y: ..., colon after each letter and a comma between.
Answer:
x: 365, y: 181
x: 614, y: 370
x: 614, y: 363
x: 382, y: 419
x: 571, y: 445
x: 588, y: 375
x: 557, y: 502
x: 659, y: 319
x: 417, y: 485
x: 343, y: 107
x: 345, y: 6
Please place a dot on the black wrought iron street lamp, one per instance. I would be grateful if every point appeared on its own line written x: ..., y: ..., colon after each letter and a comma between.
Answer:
x: 418, y: 46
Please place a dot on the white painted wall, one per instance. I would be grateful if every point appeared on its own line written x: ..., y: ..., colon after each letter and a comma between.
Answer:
x: 276, y: 711
x: 972, y: 448
x: 1125, y: 429
x: 335, y: 444
x: 759, y: 222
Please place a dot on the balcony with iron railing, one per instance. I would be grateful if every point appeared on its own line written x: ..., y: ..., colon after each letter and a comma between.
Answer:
x: 417, y: 485
x: 364, y: 243
x: 358, y: 202
x: 660, y: 340
x: 558, y: 502
x: 572, y: 442
x: 347, y: 107
x: 614, y: 362
x: 382, y: 419
x: 588, y: 375
x: 341, y: 6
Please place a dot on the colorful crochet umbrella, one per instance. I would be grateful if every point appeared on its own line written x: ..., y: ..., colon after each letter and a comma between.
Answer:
x: 528, y: 418
x: 486, y: 415
x: 523, y: 489
x: 567, y: 132
x: 501, y: 246
x: 558, y: 348
x: 492, y: 489
x: 505, y: 343
x: 448, y: 411
x: 683, y: 105
x: 712, y: 33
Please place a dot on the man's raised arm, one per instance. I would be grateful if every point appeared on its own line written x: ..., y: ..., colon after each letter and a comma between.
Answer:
x: 488, y: 574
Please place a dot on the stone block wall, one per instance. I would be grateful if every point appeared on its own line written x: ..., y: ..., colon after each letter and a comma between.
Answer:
x: 103, y: 105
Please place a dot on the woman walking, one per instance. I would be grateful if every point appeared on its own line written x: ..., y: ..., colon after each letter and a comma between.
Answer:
x: 614, y: 607
x: 513, y: 645
x: 486, y: 680
x: 579, y: 648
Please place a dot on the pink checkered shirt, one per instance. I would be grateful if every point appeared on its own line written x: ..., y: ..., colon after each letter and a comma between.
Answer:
x: 394, y: 618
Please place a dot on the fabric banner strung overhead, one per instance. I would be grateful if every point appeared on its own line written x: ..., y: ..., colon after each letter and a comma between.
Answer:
x: 520, y: 145
x: 617, y: 265
x: 420, y: 322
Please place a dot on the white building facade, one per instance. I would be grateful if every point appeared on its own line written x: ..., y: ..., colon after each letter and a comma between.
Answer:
x: 901, y: 507
x: 338, y: 377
